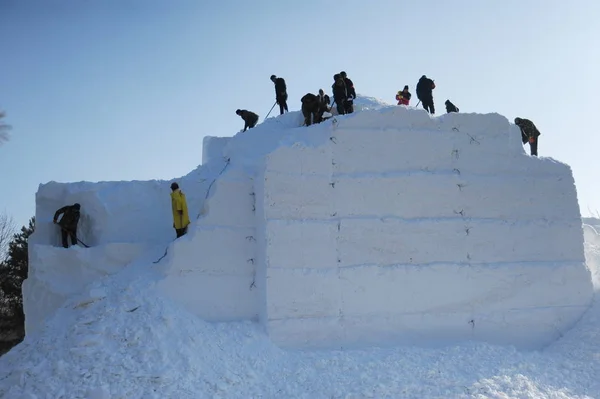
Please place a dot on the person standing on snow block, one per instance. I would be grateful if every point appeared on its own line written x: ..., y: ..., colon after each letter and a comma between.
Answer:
x: 339, y: 93
x: 451, y: 107
x: 528, y: 133
x: 68, y: 223
x: 403, y: 97
x: 181, y: 218
x: 280, y: 93
x: 323, y: 100
x: 250, y: 118
x: 310, y: 108
x: 425, y: 88
x: 349, y: 103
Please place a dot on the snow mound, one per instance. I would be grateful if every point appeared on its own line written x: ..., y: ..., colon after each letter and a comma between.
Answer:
x: 381, y: 227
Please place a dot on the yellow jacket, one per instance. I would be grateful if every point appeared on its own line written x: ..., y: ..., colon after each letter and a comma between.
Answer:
x: 181, y: 217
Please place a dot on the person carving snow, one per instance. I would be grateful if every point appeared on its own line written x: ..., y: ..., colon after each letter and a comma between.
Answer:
x: 310, y: 108
x: 324, y: 109
x: 528, y: 133
x: 280, y: 93
x: 425, y: 88
x: 181, y: 219
x: 339, y: 93
x: 68, y: 223
x: 250, y: 118
x: 403, y: 97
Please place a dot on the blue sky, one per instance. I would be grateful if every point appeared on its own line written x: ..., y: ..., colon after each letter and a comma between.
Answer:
x: 126, y: 90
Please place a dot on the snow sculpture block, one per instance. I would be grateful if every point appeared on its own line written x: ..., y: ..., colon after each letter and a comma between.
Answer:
x: 418, y: 230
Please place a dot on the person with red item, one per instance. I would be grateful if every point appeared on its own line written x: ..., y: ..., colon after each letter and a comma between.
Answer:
x: 403, y: 97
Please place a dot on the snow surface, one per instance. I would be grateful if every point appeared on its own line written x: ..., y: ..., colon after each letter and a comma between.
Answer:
x: 120, y: 339
x: 445, y: 218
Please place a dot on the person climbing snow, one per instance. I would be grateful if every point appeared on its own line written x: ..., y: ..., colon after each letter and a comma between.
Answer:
x: 339, y: 93
x: 450, y: 107
x: 250, y: 118
x: 529, y: 133
x: 68, y: 223
x: 324, y: 101
x: 351, y: 93
x: 181, y: 218
x: 425, y: 88
x: 310, y: 108
x: 403, y: 97
x: 280, y: 93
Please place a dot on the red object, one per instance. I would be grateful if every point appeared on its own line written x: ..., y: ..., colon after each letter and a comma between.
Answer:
x: 532, y: 140
x: 402, y: 100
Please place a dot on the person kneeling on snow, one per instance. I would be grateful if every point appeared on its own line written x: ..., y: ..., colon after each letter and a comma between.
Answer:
x: 250, y: 118
x: 451, y: 107
x: 181, y: 219
x: 68, y: 223
x: 528, y: 133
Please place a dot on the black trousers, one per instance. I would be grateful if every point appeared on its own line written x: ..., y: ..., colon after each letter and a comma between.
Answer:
x: 181, y: 232
x: 533, y: 147
x: 282, y: 101
x: 349, y: 107
x: 65, y: 233
x: 428, y: 105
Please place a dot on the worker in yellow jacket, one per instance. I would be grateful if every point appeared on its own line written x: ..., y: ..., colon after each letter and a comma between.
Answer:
x: 181, y: 218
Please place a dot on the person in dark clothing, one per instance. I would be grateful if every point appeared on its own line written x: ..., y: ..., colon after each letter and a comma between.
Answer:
x: 451, y: 107
x: 403, y: 97
x: 280, y: 93
x: 68, y: 223
x: 529, y: 133
x: 323, y: 101
x: 310, y: 108
x: 425, y: 88
x: 339, y: 93
x: 250, y: 118
x: 349, y: 104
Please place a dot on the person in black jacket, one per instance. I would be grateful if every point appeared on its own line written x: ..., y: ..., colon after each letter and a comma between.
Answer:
x: 310, y: 108
x: 340, y: 94
x: 250, y: 118
x: 425, y: 88
x: 280, y: 93
x: 323, y: 100
x: 349, y: 103
x: 451, y: 107
x: 529, y: 132
x: 68, y: 223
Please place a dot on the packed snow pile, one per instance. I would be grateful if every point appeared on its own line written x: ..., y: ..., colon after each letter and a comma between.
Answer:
x: 385, y: 226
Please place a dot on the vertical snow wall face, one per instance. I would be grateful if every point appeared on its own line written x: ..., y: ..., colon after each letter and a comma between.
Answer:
x: 407, y: 229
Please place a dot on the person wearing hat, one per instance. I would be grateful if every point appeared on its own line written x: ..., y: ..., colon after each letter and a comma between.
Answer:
x: 68, y: 223
x: 403, y: 97
x: 350, y: 92
x: 250, y: 118
x: 529, y: 133
x: 280, y: 93
x: 181, y: 218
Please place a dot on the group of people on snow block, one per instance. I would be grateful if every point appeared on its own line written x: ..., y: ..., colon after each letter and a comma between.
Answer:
x: 425, y: 88
x: 314, y: 107
x: 71, y: 214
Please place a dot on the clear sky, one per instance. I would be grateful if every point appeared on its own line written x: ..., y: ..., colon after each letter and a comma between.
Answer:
x: 126, y: 90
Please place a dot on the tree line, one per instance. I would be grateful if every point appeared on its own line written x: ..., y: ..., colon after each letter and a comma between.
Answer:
x: 14, y: 266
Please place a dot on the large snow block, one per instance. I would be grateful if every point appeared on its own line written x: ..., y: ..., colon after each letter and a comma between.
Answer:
x: 300, y: 244
x: 216, y: 250
x: 296, y: 196
x: 302, y: 293
x: 231, y: 201
x: 299, y: 159
x: 213, y: 147
x: 213, y: 297
x: 55, y: 274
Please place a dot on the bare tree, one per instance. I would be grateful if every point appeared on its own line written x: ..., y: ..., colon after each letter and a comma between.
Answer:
x: 4, y: 128
x: 7, y: 231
